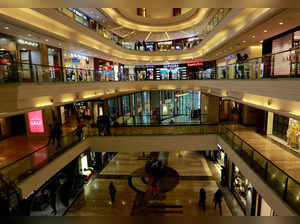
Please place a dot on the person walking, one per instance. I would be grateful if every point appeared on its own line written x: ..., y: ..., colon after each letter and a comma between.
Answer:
x: 112, y: 191
x: 202, y: 199
x: 218, y: 200
x: 52, y: 135
x: 58, y: 133
x: 78, y: 132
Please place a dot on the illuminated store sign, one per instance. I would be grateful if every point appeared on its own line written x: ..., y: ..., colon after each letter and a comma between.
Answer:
x: 29, y: 43
x: 36, y: 124
x: 171, y: 66
x: 194, y: 63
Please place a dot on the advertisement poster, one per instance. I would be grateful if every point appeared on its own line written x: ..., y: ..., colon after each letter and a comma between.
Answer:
x: 35, y: 119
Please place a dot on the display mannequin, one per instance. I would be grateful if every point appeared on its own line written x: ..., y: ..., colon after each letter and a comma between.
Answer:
x: 293, y: 133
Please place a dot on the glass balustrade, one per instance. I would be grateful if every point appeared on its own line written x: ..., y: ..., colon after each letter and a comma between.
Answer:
x: 266, y: 67
x: 284, y: 185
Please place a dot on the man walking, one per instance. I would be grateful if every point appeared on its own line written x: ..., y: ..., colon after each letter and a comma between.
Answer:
x: 202, y: 199
x: 112, y: 191
x: 52, y: 135
x: 218, y: 200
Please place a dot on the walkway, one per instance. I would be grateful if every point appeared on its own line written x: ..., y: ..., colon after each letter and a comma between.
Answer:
x: 189, y: 172
x: 289, y: 162
x: 17, y: 147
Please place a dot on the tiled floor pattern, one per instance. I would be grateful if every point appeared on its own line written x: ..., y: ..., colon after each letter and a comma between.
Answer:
x: 182, y: 200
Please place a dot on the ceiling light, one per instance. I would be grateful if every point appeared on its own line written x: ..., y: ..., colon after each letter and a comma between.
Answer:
x: 46, y: 40
x: 253, y: 36
x: 280, y: 23
x: 261, y: 41
x: 6, y: 27
x: 265, y: 31
x: 29, y: 35
x: 59, y: 44
x: 244, y: 41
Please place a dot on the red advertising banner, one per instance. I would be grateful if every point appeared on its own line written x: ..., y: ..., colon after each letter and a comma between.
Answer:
x: 35, y: 119
x: 194, y: 63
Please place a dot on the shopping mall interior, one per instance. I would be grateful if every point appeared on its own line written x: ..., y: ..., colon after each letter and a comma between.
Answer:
x: 149, y: 111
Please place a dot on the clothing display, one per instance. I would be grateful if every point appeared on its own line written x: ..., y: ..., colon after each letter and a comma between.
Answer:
x: 293, y: 132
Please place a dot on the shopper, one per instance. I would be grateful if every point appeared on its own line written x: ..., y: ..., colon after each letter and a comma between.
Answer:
x: 52, y: 135
x: 202, y: 199
x: 218, y: 200
x: 107, y: 125
x: 112, y: 191
x: 100, y: 125
x: 58, y: 133
x: 245, y: 58
x: 238, y: 66
x: 78, y: 132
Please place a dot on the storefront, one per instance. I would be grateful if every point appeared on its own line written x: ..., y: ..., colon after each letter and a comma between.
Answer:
x: 57, y: 194
x: 129, y: 72
x: 78, y: 67
x: 8, y: 57
x: 285, y: 62
x: 165, y: 46
x: 284, y: 130
x: 243, y: 190
x: 29, y: 53
x: 84, y: 110
x: 170, y: 72
x: 194, y: 69
x: 141, y: 72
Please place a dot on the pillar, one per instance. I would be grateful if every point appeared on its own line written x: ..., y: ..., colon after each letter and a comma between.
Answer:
x: 270, y: 123
x: 210, y: 106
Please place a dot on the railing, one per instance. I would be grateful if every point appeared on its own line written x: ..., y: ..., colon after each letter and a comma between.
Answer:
x: 180, y: 44
x: 162, y: 120
x: 285, y: 64
x: 284, y: 185
x: 27, y: 165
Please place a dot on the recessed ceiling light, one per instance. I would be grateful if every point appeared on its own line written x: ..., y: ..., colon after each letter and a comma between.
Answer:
x: 29, y: 35
x: 59, y: 44
x: 46, y: 39
x: 261, y: 41
x: 280, y: 23
x: 265, y: 31
x: 6, y: 27
x: 244, y: 41
x: 253, y: 36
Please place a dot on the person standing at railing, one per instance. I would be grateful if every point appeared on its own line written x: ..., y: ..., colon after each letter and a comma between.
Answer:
x: 238, y: 66
x: 245, y: 72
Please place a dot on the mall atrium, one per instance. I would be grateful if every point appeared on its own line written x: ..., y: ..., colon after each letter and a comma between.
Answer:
x: 149, y: 111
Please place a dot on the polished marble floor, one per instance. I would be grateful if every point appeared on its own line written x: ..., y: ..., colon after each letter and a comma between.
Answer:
x: 286, y: 160
x: 18, y: 147
x: 182, y: 200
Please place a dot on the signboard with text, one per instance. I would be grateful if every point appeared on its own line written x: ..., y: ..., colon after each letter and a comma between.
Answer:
x: 35, y: 119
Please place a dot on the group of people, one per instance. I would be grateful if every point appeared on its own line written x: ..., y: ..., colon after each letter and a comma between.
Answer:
x: 217, y: 199
x: 240, y: 67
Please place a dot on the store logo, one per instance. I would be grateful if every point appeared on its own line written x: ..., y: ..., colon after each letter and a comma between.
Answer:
x: 36, y: 124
